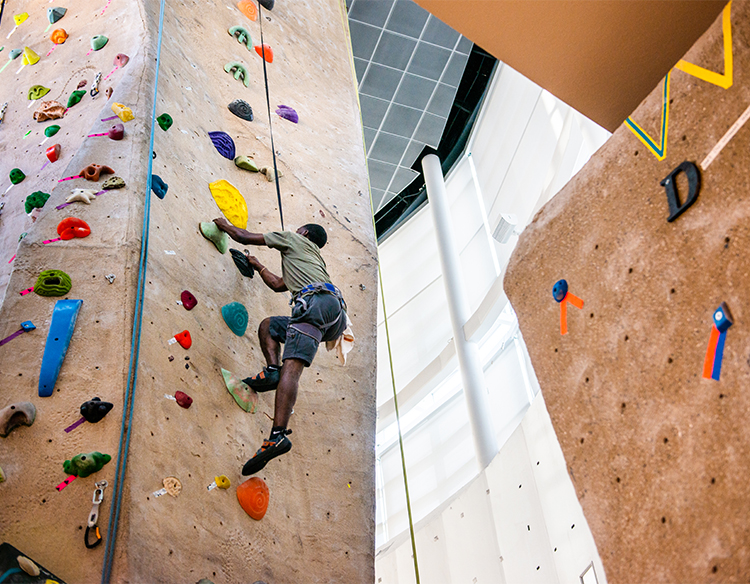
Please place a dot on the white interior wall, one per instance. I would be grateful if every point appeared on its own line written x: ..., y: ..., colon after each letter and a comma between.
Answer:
x: 525, y: 146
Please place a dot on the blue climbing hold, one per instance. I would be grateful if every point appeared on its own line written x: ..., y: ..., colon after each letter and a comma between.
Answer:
x: 159, y: 186
x: 235, y: 315
x: 224, y: 144
x: 559, y: 290
x: 60, y: 332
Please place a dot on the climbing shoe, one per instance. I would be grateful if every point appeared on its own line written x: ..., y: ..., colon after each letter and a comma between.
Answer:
x: 266, y: 380
x: 242, y: 263
x: 272, y: 447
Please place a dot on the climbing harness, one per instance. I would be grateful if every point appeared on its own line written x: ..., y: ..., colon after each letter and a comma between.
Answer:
x: 316, y: 288
x: 135, y: 344
x: 268, y: 104
x: 94, y: 515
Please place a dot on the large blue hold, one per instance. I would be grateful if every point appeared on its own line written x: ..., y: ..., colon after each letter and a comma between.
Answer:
x: 559, y: 290
x: 60, y: 332
x: 235, y: 315
x: 224, y: 144
x: 159, y: 187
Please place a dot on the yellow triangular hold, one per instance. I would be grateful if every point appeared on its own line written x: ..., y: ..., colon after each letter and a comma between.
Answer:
x: 29, y: 57
x: 724, y: 81
x: 230, y: 201
x: 19, y: 18
x: 123, y: 112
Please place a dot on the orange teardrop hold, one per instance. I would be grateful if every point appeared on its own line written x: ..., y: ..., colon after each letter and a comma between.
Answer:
x: 247, y: 7
x: 58, y: 36
x: 253, y: 497
x: 73, y: 227
x: 184, y: 339
x: 260, y: 49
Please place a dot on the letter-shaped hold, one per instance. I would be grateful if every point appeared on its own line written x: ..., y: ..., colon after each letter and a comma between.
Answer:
x: 60, y: 332
x: 673, y: 198
x: 239, y: 72
x: 242, y: 36
x: 16, y: 414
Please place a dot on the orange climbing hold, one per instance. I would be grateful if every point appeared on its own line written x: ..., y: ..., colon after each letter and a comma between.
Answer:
x: 264, y: 48
x: 247, y: 7
x: 184, y: 339
x: 253, y: 497
x: 53, y: 153
x: 73, y: 227
x: 58, y: 36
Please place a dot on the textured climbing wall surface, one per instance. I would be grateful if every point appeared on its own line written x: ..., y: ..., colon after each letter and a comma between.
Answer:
x: 319, y: 526
x: 320, y: 522
x: 658, y: 454
x: 47, y: 525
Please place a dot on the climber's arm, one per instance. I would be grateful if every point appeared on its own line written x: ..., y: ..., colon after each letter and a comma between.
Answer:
x: 239, y: 235
x: 274, y: 282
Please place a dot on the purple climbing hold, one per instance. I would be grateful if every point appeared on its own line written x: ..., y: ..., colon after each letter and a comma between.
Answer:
x: 188, y: 300
x: 224, y: 144
x: 116, y: 132
x: 287, y: 113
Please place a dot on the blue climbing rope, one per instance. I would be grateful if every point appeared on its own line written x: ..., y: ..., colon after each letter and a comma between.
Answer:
x: 268, y: 105
x: 135, y: 344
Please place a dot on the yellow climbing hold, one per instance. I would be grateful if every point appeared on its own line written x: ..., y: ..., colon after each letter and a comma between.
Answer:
x: 222, y: 482
x: 29, y: 57
x: 123, y: 112
x: 19, y: 18
x: 231, y: 202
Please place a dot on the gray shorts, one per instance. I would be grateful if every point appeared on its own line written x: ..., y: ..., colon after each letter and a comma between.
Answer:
x: 323, y: 319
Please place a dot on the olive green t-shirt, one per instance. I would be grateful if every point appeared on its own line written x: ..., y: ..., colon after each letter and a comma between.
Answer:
x: 301, y: 262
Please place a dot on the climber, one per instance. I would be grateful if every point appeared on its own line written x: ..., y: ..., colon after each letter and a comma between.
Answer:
x: 318, y: 314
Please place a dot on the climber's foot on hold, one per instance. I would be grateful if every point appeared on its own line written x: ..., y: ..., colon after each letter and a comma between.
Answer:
x: 274, y: 446
x: 266, y: 380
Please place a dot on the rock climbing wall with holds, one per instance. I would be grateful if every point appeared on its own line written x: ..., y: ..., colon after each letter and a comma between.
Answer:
x: 319, y: 523
x: 56, y: 124
x: 648, y: 389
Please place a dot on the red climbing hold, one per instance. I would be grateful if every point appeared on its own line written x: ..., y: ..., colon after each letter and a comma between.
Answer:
x: 253, y: 497
x: 264, y: 48
x: 183, y: 399
x: 53, y: 153
x: 188, y: 300
x: 184, y: 339
x: 73, y: 227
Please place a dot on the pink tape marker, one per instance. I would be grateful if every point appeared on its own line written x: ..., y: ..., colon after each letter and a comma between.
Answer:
x: 90, y: 50
x: 65, y: 483
x: 68, y: 178
x: 27, y: 291
x: 110, y: 73
x: 46, y: 241
x: 105, y: 7
x: 102, y: 134
x: 11, y: 259
x: 75, y: 425
x: 50, y: 51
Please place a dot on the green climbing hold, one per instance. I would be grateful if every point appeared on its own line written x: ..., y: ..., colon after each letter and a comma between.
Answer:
x: 215, y: 235
x: 38, y: 91
x: 53, y: 283
x: 83, y: 465
x: 235, y: 315
x: 17, y: 176
x: 239, y: 72
x: 55, y: 14
x: 15, y: 53
x: 165, y: 121
x: 24, y: 234
x: 98, y: 42
x: 242, y: 36
x: 246, y: 163
x: 2, y: 476
x: 75, y: 97
x: 245, y: 396
x: 35, y: 200
x: 50, y: 131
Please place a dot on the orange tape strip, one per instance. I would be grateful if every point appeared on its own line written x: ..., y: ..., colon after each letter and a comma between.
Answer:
x: 708, y: 364
x: 564, y: 316
x: 574, y: 300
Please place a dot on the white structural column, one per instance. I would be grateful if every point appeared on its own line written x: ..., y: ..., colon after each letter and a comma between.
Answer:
x: 469, y: 362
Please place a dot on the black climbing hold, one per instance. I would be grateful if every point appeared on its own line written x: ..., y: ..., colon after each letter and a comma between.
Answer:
x: 267, y: 4
x: 242, y: 263
x: 673, y: 199
x: 241, y: 109
x: 95, y: 409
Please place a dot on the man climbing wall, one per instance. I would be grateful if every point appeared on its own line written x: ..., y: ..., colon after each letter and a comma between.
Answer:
x: 318, y: 314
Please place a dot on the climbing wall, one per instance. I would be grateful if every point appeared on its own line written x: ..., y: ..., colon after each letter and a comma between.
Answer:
x: 656, y: 448
x: 319, y: 526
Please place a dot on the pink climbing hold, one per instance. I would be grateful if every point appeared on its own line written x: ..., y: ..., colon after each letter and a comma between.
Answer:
x: 183, y: 399
x: 188, y: 300
x: 121, y: 59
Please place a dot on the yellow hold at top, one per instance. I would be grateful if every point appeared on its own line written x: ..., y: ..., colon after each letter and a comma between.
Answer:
x: 29, y: 57
x: 230, y: 201
x: 19, y: 18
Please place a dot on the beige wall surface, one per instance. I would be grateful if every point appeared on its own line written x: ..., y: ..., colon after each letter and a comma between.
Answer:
x: 658, y: 455
x: 320, y: 522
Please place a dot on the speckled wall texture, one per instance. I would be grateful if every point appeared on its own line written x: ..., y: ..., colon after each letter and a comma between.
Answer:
x: 659, y: 455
